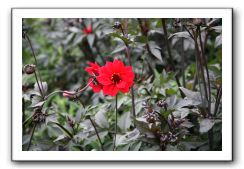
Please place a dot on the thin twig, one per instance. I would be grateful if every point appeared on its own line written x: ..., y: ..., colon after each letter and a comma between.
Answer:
x: 116, y: 116
x: 206, y: 67
x: 99, y: 139
x: 32, y: 133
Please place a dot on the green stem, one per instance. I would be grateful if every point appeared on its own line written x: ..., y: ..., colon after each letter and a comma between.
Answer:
x: 116, y: 118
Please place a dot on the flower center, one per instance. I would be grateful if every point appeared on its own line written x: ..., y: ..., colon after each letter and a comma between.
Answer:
x: 115, y: 78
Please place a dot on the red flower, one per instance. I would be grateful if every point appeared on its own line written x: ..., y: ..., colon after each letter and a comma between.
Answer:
x: 87, y: 30
x: 93, y: 71
x: 114, y: 77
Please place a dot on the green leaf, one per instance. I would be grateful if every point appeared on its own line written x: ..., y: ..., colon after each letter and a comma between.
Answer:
x: 205, y: 125
x: 127, y: 41
x: 101, y: 120
x: 141, y: 39
x: 124, y: 121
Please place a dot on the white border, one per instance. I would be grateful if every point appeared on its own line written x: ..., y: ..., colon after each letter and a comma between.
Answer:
x: 19, y: 155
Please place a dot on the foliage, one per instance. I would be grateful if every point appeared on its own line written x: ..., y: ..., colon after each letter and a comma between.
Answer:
x: 174, y: 103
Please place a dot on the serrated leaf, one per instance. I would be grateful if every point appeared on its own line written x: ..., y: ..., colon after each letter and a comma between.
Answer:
x: 101, y: 120
x: 124, y: 121
x: 205, y: 125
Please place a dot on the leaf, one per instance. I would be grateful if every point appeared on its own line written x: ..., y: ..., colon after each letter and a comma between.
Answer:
x: 39, y: 104
x: 205, y: 125
x: 127, y: 41
x: 118, y: 49
x: 124, y: 121
x: 181, y: 113
x: 141, y: 39
x: 79, y: 113
x: 93, y: 137
x: 136, y: 146
x: 51, y: 118
x: 218, y: 41
x: 61, y: 137
x: 155, y: 50
x: 186, y: 124
x: 184, y: 34
x: 101, y: 120
x: 91, y: 38
x: 42, y: 84
x: 74, y: 29
x: 192, y: 97
x: 171, y: 102
x: 128, y: 137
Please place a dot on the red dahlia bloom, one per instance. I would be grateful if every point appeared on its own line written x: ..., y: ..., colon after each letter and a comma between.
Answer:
x: 93, y: 71
x: 114, y: 77
x: 87, y: 30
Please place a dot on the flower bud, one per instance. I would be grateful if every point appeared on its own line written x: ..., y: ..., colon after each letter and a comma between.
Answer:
x: 117, y: 25
x: 29, y: 69
x: 69, y: 94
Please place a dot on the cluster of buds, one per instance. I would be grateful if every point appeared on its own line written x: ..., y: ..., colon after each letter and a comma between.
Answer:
x: 162, y: 103
x: 175, y: 122
x: 177, y: 23
x: 117, y: 25
x: 151, y: 116
x: 70, y: 122
x: 39, y: 116
x: 166, y: 138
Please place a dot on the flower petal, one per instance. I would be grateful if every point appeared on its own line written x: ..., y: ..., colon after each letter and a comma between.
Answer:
x: 111, y: 90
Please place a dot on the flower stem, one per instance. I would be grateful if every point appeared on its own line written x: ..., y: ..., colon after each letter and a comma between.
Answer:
x: 116, y: 117
x: 37, y: 81
x: 34, y: 55
x: 170, y: 55
x: 60, y: 91
x: 99, y: 139
x: 32, y: 133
